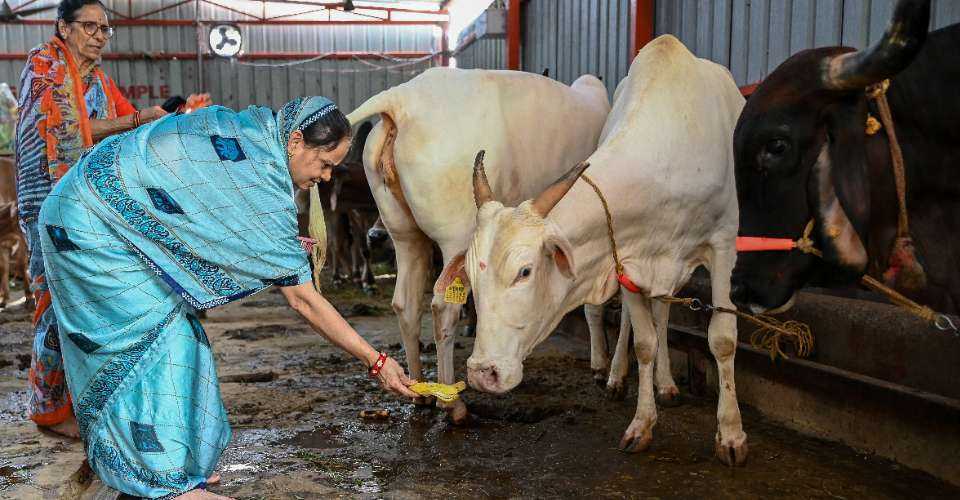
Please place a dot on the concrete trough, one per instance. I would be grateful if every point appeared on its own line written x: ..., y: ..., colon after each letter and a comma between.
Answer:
x: 878, y: 379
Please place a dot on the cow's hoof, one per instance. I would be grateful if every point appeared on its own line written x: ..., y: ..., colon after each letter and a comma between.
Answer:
x: 668, y: 397
x: 616, y: 391
x: 424, y: 401
x: 732, y: 452
x: 599, y: 377
x: 456, y: 411
x: 636, y: 439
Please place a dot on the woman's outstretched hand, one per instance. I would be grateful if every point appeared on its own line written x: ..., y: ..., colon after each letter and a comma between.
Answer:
x: 326, y: 321
x: 392, y: 378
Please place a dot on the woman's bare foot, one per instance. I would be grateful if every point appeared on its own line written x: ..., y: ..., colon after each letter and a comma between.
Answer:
x: 201, y: 495
x: 66, y: 428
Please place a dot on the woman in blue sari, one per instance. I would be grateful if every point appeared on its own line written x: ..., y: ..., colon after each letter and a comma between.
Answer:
x: 190, y: 212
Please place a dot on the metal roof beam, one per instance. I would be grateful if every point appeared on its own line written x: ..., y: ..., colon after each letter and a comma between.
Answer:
x: 192, y: 22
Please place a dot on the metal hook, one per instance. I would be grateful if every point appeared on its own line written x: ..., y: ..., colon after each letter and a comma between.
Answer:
x: 695, y: 305
x: 944, y: 323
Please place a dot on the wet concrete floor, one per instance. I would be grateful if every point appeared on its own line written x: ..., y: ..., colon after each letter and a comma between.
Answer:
x: 298, y: 434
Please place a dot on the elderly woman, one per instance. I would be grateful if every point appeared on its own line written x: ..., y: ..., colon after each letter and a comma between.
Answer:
x: 190, y: 212
x: 66, y: 105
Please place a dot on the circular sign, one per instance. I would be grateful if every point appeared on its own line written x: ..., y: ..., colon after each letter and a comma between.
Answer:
x: 225, y: 40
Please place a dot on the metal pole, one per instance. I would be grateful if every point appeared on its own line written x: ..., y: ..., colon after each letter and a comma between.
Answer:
x: 513, y: 35
x: 444, y: 44
x: 643, y: 25
x: 199, y: 47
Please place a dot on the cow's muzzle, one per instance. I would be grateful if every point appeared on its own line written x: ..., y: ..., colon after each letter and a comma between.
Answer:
x: 493, y: 378
x: 377, y: 236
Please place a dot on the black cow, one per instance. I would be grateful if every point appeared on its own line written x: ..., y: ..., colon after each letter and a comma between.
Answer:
x: 802, y: 153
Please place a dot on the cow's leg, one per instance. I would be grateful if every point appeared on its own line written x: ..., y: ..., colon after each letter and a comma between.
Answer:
x: 366, y: 253
x: 599, y: 355
x: 333, y: 244
x: 638, y: 435
x: 413, y: 249
x: 731, y: 444
x: 445, y: 317
x: 620, y: 366
x: 362, y: 223
x: 667, y: 392
x: 413, y: 264
x: 356, y: 257
x: 344, y: 243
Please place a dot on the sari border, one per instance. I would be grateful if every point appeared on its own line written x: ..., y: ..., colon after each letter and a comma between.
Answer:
x: 102, y: 389
x: 180, y: 290
x: 105, y: 454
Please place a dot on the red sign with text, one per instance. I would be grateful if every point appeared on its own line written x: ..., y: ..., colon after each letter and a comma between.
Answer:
x: 134, y: 92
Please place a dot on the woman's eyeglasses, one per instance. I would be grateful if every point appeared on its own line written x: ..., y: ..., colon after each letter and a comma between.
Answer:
x: 91, y: 28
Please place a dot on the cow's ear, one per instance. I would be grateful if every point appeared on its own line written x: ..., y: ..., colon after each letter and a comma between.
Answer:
x: 558, y: 247
x: 453, y: 270
x: 842, y: 187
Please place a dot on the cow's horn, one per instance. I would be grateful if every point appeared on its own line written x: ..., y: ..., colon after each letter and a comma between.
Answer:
x: 481, y: 188
x: 900, y: 43
x: 549, y: 198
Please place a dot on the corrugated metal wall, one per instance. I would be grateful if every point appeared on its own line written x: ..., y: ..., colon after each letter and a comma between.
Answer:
x: 349, y: 83
x: 489, y: 52
x: 483, y: 44
x: 752, y: 37
x: 238, y: 85
x: 575, y: 37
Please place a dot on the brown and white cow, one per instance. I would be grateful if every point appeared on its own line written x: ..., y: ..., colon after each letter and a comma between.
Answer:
x: 13, y: 246
x: 665, y: 166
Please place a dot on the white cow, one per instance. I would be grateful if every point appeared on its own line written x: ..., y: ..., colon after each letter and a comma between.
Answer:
x: 417, y: 161
x: 666, y: 167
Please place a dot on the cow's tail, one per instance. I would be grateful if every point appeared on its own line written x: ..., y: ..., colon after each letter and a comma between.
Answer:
x: 388, y: 104
x: 383, y: 103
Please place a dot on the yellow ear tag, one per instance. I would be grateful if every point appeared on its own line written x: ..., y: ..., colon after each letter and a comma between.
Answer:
x: 443, y: 392
x: 455, y: 293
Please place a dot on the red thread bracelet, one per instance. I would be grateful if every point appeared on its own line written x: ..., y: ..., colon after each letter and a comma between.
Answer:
x: 378, y: 365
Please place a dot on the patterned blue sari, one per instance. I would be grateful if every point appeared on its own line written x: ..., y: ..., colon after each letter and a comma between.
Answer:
x: 190, y: 212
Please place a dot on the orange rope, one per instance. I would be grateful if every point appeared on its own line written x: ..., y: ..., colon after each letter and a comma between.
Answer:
x: 770, y: 331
